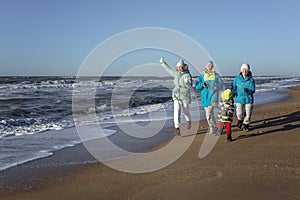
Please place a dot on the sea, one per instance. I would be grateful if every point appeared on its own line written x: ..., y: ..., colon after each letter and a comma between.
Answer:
x: 37, y: 113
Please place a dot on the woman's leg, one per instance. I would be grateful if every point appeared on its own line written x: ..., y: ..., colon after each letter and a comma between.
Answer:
x: 176, y: 114
x: 239, y: 111
x: 186, y: 111
x: 249, y: 109
x: 210, y: 117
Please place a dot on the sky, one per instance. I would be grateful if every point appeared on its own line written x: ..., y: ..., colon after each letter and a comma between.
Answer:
x: 54, y: 37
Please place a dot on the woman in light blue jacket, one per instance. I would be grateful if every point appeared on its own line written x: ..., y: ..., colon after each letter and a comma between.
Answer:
x: 181, y: 93
x: 243, y: 88
x: 210, y: 83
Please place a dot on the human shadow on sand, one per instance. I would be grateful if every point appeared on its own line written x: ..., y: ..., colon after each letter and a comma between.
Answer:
x: 285, y: 122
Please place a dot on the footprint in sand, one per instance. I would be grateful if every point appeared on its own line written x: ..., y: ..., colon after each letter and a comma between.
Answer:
x: 260, y: 132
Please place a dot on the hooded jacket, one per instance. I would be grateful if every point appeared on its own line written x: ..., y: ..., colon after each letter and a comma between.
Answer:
x: 243, y: 89
x: 208, y: 94
x: 182, y: 82
x: 226, y: 107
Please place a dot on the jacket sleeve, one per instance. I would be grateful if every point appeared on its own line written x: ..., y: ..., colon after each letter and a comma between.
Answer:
x: 251, y: 87
x: 220, y: 84
x: 199, y: 83
x: 234, y: 88
x: 188, y: 81
x: 168, y: 68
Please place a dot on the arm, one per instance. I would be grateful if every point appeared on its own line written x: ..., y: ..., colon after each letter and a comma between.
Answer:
x: 234, y: 88
x: 251, y: 88
x: 167, y: 67
x: 199, y: 83
x: 220, y: 83
x: 188, y: 80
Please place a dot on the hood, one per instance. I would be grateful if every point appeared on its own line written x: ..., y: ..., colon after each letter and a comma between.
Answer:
x: 226, y: 95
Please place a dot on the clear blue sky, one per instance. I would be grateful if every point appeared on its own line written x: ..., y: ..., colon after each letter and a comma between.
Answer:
x: 53, y: 37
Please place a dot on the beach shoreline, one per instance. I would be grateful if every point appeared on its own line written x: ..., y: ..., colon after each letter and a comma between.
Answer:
x: 260, y: 164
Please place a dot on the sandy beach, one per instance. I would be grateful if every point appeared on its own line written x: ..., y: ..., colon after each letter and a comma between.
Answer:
x: 260, y: 164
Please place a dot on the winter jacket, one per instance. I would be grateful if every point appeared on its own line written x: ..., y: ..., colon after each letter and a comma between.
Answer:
x: 182, y: 82
x: 243, y: 89
x: 208, y: 94
x: 226, y: 107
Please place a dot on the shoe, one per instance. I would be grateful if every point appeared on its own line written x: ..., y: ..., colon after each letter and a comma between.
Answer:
x: 177, y: 132
x: 189, y: 125
x: 229, y: 138
x: 219, y: 131
x: 245, y: 127
x: 240, y: 124
x: 210, y: 131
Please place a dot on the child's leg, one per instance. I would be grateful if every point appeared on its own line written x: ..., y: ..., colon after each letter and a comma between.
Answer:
x: 228, y: 131
x: 220, y: 127
x: 228, y: 127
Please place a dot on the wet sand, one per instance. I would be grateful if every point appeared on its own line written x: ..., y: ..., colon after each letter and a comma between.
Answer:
x: 260, y: 164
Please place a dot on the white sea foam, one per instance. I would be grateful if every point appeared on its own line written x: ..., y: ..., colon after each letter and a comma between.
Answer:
x: 25, y: 148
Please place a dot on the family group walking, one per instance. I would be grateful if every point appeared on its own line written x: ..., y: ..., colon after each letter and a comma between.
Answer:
x: 210, y: 85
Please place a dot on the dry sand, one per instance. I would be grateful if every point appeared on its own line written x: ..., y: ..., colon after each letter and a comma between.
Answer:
x: 260, y: 164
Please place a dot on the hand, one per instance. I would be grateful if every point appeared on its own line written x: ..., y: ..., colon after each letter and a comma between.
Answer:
x: 215, y: 88
x: 246, y: 90
x: 161, y: 61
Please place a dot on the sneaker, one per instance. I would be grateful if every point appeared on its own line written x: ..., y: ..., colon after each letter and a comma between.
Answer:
x: 240, y: 124
x: 177, y: 132
x: 212, y: 131
x: 189, y: 125
x: 245, y: 127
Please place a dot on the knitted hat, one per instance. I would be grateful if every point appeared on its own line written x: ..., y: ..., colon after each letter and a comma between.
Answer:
x: 245, y: 66
x: 180, y: 63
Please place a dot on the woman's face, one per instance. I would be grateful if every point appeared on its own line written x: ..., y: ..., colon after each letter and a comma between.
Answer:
x: 245, y: 72
x: 179, y: 68
x: 209, y: 67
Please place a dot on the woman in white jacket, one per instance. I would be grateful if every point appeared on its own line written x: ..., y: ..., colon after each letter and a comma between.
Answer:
x: 181, y: 93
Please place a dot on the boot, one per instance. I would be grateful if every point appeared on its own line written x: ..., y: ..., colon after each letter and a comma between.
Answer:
x: 229, y: 138
x: 240, y: 124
